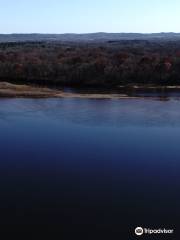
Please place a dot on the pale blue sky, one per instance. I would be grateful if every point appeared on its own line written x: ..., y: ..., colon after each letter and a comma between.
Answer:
x: 83, y: 16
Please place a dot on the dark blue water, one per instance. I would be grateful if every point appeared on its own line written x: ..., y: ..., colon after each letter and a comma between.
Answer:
x: 90, y: 169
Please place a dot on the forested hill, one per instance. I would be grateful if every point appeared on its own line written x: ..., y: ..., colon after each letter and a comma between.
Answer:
x: 111, y: 63
x: 88, y: 37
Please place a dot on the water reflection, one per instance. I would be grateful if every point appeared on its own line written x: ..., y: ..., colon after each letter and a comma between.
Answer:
x: 117, y: 113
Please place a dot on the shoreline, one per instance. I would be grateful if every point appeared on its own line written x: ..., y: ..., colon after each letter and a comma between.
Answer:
x: 9, y: 90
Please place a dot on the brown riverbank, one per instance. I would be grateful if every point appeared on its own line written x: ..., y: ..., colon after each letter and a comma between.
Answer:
x: 14, y: 90
x: 9, y: 90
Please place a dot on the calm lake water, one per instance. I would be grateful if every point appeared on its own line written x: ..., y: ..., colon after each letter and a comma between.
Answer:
x: 90, y: 169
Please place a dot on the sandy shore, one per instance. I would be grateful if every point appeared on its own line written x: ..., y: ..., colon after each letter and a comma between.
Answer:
x: 14, y: 90
x: 8, y: 90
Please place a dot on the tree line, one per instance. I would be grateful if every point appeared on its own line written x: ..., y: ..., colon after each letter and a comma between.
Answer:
x: 111, y: 64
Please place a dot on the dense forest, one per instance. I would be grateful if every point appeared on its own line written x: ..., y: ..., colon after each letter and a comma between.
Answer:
x: 107, y: 64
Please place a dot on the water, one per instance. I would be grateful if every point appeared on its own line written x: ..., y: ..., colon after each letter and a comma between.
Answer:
x: 90, y: 169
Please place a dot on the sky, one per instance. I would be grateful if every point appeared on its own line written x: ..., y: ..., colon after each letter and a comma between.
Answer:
x: 85, y: 16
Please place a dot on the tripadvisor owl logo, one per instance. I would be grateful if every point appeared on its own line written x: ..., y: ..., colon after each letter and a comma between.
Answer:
x: 139, y: 231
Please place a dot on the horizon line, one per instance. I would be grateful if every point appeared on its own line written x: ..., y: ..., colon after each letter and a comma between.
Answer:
x: 76, y: 33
